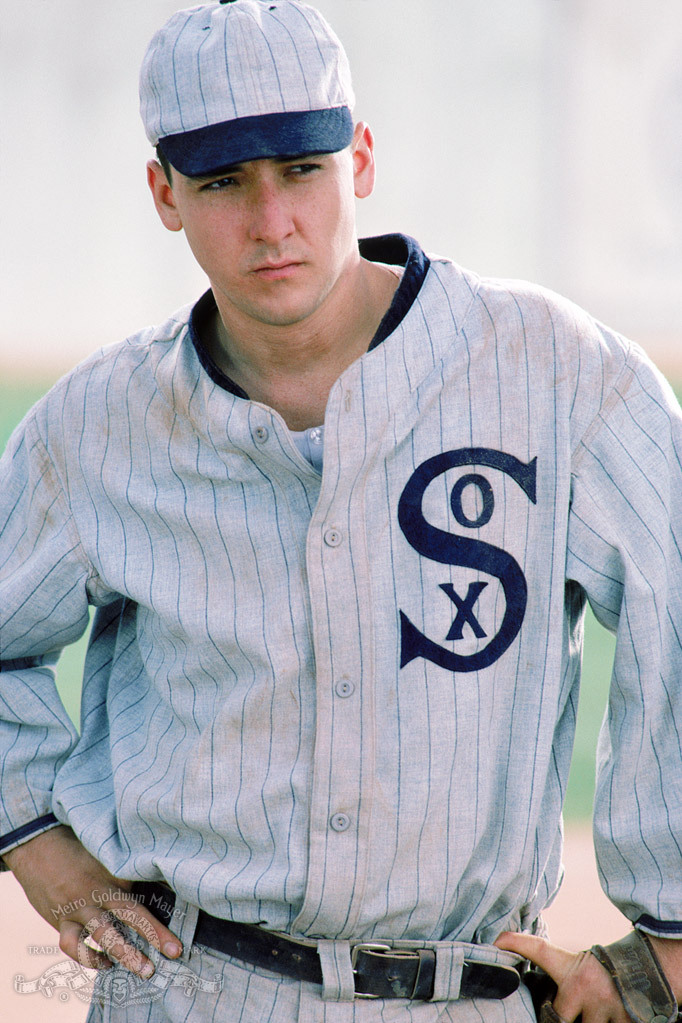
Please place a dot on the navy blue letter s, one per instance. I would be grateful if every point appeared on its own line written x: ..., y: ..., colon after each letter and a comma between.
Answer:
x: 451, y: 549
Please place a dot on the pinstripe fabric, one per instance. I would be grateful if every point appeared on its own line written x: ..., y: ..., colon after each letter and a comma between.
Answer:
x: 234, y: 73
x: 248, y: 732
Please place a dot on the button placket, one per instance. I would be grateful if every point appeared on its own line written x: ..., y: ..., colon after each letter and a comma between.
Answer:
x: 339, y: 817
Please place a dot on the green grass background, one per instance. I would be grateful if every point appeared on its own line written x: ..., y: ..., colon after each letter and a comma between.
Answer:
x: 17, y: 397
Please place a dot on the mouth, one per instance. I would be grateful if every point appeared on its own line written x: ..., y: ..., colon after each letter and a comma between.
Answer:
x: 281, y: 270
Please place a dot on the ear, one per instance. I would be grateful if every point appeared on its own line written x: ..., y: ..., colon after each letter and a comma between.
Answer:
x: 362, y: 152
x: 162, y: 193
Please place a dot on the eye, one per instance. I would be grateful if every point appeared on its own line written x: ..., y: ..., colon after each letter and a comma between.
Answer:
x: 303, y: 169
x: 219, y: 184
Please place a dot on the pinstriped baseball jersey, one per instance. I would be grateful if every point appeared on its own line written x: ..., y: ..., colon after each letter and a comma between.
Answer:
x: 343, y: 704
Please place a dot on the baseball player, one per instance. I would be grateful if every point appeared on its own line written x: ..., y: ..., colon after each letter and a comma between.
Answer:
x: 340, y: 520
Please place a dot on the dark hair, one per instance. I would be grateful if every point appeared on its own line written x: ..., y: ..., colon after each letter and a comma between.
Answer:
x: 163, y: 160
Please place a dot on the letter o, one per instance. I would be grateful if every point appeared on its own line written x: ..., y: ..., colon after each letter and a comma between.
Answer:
x: 486, y: 491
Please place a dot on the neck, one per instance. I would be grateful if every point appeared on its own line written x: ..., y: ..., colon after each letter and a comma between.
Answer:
x: 292, y: 368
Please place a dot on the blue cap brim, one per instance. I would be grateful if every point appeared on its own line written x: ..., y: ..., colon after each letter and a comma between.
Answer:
x: 206, y: 150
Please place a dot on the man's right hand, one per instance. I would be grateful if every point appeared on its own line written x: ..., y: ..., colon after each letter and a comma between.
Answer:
x: 79, y: 897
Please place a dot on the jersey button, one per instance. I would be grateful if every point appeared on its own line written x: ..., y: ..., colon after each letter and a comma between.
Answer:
x: 344, y: 688
x: 261, y: 433
x: 333, y: 537
x: 340, y: 822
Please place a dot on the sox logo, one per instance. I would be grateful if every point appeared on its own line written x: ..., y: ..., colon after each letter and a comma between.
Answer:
x: 453, y: 549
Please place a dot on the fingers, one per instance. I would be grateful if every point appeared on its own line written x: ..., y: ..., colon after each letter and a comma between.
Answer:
x: 126, y: 908
x: 553, y: 959
x: 584, y: 986
x: 78, y: 896
x: 108, y: 928
x: 110, y: 935
x: 72, y: 944
x: 557, y: 962
x: 582, y: 991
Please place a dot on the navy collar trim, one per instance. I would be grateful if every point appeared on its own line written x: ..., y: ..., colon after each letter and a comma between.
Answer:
x: 204, y: 310
x: 394, y: 249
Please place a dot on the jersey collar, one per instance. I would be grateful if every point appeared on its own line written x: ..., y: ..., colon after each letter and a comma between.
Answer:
x: 394, y: 249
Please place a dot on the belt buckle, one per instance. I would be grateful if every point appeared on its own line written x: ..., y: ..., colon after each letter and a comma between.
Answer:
x: 380, y: 948
x: 366, y: 946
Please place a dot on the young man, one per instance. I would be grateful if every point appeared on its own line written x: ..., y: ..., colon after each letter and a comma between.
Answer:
x: 340, y: 520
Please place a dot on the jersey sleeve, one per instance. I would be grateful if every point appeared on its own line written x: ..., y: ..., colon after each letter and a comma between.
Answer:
x: 625, y: 549
x: 43, y: 607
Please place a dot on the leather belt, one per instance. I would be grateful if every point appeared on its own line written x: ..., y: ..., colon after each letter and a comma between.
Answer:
x: 380, y: 971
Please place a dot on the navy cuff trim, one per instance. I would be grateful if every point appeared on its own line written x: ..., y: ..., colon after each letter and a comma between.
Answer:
x: 17, y: 836
x: 21, y: 663
x: 664, y: 926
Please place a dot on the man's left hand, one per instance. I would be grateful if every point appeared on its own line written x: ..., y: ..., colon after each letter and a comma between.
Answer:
x: 584, y: 986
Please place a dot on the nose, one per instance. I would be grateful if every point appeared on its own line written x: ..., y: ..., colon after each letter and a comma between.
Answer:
x: 270, y: 217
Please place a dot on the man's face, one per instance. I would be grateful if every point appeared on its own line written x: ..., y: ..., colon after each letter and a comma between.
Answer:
x: 274, y: 236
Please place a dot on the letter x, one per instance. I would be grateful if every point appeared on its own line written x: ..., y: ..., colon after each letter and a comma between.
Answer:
x: 465, y: 612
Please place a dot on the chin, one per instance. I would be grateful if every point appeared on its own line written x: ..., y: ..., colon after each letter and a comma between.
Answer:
x: 285, y: 319
x: 284, y: 314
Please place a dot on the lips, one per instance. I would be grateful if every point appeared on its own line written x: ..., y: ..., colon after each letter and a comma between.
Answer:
x: 278, y: 265
x: 276, y: 271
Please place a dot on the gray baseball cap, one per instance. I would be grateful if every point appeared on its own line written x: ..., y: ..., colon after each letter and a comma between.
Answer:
x: 243, y: 80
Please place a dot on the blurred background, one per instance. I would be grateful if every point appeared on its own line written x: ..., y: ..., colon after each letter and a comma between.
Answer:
x: 523, y: 138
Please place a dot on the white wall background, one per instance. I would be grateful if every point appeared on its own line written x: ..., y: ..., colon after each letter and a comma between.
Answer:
x: 524, y: 138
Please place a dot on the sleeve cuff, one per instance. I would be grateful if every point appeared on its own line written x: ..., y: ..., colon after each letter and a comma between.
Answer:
x: 659, y: 928
x: 23, y: 834
x: 21, y: 663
